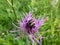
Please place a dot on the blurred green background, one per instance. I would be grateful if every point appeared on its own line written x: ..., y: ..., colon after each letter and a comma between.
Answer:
x: 13, y: 10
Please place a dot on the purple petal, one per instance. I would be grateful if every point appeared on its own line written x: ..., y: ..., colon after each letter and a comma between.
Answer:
x: 42, y: 22
x: 40, y: 40
x: 22, y: 26
x: 34, y: 30
x: 39, y: 23
x: 28, y: 17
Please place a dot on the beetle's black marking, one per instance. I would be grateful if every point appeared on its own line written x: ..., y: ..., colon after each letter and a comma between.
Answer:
x: 31, y: 24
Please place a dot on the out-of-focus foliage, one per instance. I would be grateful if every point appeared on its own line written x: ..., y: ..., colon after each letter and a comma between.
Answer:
x: 13, y: 10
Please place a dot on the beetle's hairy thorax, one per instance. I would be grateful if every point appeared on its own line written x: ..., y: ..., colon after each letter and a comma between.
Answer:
x: 31, y: 24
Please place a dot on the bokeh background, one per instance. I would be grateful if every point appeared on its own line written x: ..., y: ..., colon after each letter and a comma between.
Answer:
x: 13, y: 10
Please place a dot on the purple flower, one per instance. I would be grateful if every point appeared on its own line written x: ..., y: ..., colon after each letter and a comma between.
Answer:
x: 30, y: 25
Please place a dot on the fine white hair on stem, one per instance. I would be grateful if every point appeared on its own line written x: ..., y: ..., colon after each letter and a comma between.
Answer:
x: 19, y: 35
x: 30, y: 37
x: 35, y: 39
x: 40, y: 38
x: 14, y: 30
x: 12, y: 34
x: 15, y: 25
x: 18, y: 21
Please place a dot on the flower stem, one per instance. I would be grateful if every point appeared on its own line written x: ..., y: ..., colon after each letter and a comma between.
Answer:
x: 40, y: 38
x: 14, y: 10
x: 11, y: 4
x: 32, y: 41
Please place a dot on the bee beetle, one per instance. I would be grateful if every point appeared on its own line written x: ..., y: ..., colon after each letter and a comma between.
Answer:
x: 31, y: 23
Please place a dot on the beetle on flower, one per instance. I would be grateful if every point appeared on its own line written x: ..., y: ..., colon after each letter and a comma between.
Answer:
x: 30, y: 25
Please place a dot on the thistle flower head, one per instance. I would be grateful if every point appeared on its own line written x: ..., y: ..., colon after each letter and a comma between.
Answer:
x: 30, y: 24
